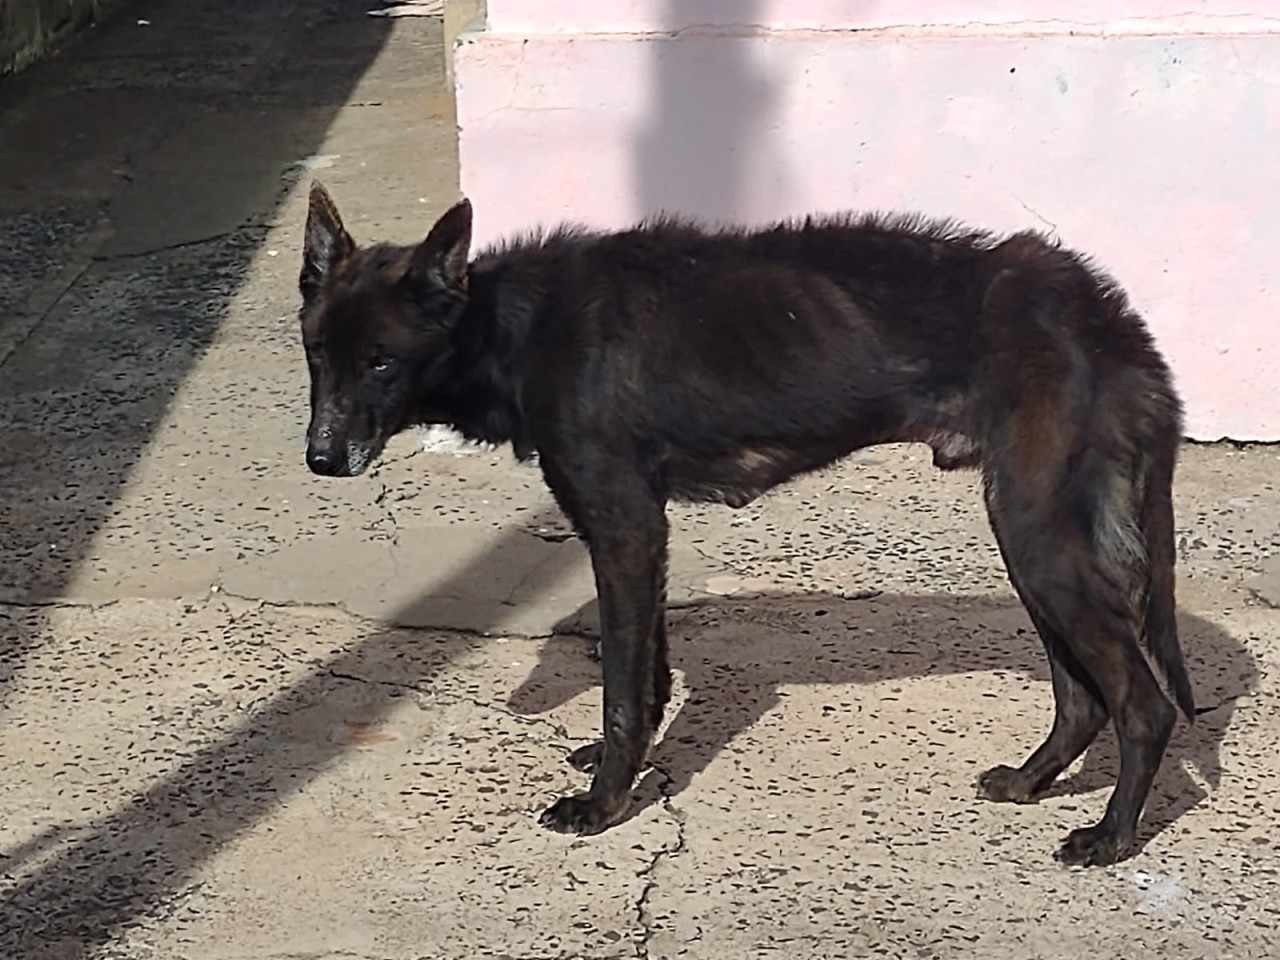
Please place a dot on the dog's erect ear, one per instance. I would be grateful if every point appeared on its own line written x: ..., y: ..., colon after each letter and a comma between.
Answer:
x: 441, y: 259
x: 326, y: 243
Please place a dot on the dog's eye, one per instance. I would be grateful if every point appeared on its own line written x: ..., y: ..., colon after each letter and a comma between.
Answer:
x: 379, y: 364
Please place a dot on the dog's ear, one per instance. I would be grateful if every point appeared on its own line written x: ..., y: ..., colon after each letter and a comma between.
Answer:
x: 441, y: 259
x: 326, y: 242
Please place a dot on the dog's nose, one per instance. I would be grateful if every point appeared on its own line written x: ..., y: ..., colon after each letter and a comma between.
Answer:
x: 323, y: 461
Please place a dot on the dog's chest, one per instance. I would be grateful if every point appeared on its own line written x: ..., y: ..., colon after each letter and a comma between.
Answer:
x: 735, y: 477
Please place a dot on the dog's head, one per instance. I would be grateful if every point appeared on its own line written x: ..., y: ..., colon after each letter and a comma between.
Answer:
x: 376, y: 325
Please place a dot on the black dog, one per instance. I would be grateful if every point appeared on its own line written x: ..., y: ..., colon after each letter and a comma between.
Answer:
x: 673, y: 361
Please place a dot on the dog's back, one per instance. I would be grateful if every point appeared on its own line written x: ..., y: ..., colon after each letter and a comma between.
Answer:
x: 744, y: 357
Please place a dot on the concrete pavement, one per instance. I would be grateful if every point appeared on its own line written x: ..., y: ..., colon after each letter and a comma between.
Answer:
x: 249, y: 713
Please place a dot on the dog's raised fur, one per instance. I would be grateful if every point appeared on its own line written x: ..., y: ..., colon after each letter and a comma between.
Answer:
x: 676, y: 361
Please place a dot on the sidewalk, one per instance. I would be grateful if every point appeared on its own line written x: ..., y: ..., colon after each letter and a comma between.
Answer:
x: 250, y: 713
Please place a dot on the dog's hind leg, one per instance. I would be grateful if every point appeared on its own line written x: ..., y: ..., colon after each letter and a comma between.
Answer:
x: 1061, y: 574
x: 1143, y: 720
x: 1079, y: 712
x: 1079, y: 715
x: 624, y: 523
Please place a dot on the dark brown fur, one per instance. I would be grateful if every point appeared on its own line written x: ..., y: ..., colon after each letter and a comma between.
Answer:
x: 673, y: 361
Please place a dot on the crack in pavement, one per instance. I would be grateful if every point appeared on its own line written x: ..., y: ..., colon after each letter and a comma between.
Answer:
x: 64, y: 603
x: 444, y: 698
x: 728, y: 564
x: 165, y: 248
x: 525, y: 577
x: 49, y: 294
x: 381, y: 501
x: 663, y: 854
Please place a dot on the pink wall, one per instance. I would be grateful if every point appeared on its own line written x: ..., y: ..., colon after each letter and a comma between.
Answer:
x: 530, y: 18
x: 1158, y: 153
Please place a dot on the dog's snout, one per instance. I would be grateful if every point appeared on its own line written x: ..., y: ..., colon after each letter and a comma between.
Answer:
x: 324, y: 460
x: 325, y: 456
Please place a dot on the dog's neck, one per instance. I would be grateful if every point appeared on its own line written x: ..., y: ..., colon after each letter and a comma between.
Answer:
x: 483, y: 396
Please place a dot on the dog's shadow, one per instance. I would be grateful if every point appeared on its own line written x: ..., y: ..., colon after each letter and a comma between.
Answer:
x: 766, y: 643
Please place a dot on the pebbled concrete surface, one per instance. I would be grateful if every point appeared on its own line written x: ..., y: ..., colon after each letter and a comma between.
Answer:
x: 248, y: 713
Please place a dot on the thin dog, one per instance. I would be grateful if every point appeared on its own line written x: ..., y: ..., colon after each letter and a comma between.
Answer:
x: 676, y: 361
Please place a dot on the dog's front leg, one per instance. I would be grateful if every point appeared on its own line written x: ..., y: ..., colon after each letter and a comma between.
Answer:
x: 629, y: 557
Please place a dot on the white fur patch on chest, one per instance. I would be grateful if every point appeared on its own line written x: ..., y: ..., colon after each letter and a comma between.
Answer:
x: 438, y: 438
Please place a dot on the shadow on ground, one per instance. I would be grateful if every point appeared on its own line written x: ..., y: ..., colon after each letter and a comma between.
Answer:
x: 141, y: 170
x: 128, y: 866
x: 820, y: 639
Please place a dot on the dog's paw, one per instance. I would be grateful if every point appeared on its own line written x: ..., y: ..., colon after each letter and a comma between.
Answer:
x: 587, y: 758
x: 1096, y: 846
x: 582, y: 814
x: 1004, y: 785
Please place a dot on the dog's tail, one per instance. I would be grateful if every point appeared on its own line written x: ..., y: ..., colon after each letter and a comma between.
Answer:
x: 1158, y: 607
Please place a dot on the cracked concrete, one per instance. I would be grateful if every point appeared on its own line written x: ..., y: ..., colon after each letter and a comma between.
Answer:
x: 249, y: 713
x: 662, y: 855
